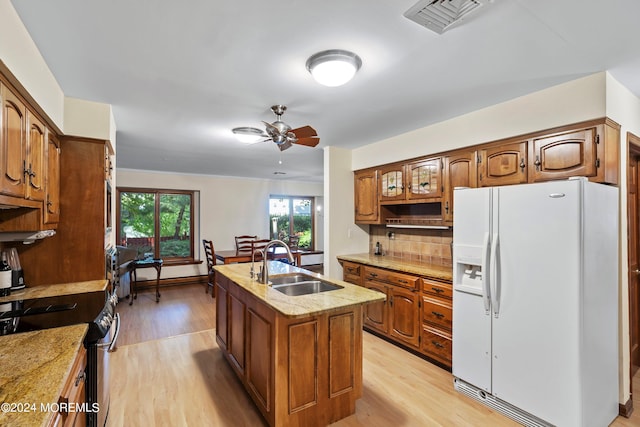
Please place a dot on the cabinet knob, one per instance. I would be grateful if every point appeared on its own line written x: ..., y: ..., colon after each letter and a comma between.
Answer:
x: 537, y: 163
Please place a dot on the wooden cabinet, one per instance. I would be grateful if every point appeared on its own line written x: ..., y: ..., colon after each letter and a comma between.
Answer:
x: 399, y: 315
x: 297, y: 370
x: 13, y: 144
x: 437, y: 319
x: 73, y: 394
x: 366, y: 196
x: 420, y: 180
x: 352, y: 272
x: 76, y: 252
x: 460, y: 170
x: 35, y: 158
x: 417, y: 313
x: 503, y: 164
x: 424, y: 179
x: 564, y: 155
x: 52, y: 180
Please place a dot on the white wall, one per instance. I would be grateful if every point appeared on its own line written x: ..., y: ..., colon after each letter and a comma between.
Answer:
x: 89, y: 119
x: 575, y: 101
x: 20, y: 54
x: 342, y: 235
x: 228, y: 207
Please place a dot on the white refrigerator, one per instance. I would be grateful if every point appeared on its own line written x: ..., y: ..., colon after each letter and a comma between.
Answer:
x: 535, y: 302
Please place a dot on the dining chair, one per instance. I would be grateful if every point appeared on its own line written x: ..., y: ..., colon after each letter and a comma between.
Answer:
x: 210, y: 255
x: 257, y: 246
x: 243, y: 243
x: 293, y: 242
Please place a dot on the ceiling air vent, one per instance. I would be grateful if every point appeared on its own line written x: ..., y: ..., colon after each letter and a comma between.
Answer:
x: 438, y: 15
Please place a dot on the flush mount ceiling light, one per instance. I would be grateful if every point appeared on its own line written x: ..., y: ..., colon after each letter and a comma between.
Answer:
x: 248, y: 135
x: 333, y: 67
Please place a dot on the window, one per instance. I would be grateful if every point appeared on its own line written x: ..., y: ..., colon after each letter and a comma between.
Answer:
x: 292, y: 216
x: 158, y: 223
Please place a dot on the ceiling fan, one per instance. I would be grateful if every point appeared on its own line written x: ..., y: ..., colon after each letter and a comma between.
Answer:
x: 281, y: 133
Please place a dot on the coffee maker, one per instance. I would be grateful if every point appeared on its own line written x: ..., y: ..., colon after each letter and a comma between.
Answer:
x: 17, y: 275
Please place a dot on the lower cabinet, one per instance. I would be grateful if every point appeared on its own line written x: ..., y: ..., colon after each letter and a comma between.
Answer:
x: 417, y: 313
x: 73, y: 395
x: 300, y: 371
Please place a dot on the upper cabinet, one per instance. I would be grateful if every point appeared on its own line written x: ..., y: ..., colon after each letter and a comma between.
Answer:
x: 29, y: 166
x: 460, y: 170
x: 503, y: 164
x: 52, y: 201
x: 416, y: 181
x: 564, y: 155
x: 420, y: 191
x: 35, y: 158
x: 13, y: 144
x: 366, y: 196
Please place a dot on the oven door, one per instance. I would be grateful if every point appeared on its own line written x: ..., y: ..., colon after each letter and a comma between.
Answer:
x: 102, y: 350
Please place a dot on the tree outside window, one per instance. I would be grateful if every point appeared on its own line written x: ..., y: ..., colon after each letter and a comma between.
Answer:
x: 292, y: 216
x: 158, y: 223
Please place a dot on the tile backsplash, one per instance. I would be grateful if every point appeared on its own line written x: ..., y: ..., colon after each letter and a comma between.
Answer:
x: 419, y: 245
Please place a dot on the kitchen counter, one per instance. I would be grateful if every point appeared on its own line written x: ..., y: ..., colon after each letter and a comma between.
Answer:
x: 35, y: 366
x: 62, y: 289
x: 303, y: 305
x: 429, y: 270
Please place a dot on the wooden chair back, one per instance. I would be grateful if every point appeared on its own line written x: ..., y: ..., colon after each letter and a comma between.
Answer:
x: 258, y: 245
x: 293, y: 242
x: 243, y: 243
x: 210, y: 256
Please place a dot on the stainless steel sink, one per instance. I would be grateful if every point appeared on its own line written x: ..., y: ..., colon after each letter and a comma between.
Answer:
x: 301, y: 284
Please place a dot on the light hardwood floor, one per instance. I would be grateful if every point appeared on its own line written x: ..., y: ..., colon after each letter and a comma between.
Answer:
x: 168, y: 371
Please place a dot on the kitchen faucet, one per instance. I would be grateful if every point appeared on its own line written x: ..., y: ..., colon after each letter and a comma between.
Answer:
x: 263, y: 276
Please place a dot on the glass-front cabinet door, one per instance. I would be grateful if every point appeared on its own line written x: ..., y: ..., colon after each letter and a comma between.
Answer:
x: 425, y: 179
x: 392, y: 183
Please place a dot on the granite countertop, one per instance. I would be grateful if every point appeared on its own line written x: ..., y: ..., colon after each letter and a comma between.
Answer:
x: 35, y: 366
x: 428, y: 270
x: 56, y: 290
x: 302, y: 305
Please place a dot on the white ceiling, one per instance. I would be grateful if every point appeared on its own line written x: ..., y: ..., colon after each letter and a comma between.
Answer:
x: 181, y: 74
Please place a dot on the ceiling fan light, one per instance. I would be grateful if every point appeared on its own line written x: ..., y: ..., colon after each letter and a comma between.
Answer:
x: 248, y: 135
x: 333, y: 67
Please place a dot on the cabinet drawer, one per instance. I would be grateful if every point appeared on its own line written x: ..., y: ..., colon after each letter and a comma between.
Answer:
x: 438, y: 289
x: 351, y: 272
x: 391, y: 277
x: 436, y: 344
x: 437, y: 312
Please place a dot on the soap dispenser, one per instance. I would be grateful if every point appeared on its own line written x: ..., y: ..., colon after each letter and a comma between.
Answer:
x: 378, y: 250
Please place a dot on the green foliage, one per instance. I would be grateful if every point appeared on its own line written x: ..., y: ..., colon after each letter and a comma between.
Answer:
x: 174, y: 248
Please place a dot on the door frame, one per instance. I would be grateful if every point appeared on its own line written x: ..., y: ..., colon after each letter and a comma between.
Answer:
x: 633, y: 151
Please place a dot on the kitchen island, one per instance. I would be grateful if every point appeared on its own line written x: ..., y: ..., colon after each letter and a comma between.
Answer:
x: 298, y: 357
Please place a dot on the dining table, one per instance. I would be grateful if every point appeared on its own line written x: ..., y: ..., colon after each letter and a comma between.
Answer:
x: 232, y: 256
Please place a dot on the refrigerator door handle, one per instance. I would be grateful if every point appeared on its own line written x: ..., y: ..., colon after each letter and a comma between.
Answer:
x: 486, y: 277
x: 493, y: 276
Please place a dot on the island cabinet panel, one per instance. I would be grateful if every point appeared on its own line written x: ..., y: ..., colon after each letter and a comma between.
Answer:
x: 259, y: 376
x: 221, y: 311
x: 299, y: 371
x: 342, y: 356
x: 235, y: 345
x: 303, y: 365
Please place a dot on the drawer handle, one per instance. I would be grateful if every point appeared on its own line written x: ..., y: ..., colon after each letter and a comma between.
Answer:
x: 403, y: 281
x: 373, y: 275
x: 81, y: 377
x: 437, y: 290
x: 437, y: 344
x: 438, y: 315
x: 351, y: 270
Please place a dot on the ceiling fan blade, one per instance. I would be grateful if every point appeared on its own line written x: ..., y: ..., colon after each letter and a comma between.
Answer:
x: 309, y: 142
x: 304, y: 132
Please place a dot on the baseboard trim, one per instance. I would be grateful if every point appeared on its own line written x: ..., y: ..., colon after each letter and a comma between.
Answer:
x: 626, y: 409
x: 173, y: 281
